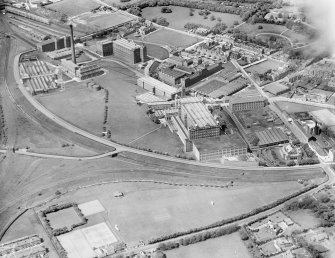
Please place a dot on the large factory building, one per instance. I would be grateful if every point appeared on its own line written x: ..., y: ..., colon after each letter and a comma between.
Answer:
x: 157, y: 87
x: 129, y: 51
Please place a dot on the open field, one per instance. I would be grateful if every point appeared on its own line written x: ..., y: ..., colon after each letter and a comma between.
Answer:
x: 153, y: 50
x: 72, y: 8
x: 103, y: 20
x: 295, y: 108
x: 252, y: 29
x: 264, y: 66
x: 63, y: 218
x: 78, y: 105
x: 163, y: 209
x: 30, y: 181
x: 171, y: 38
x: 128, y: 121
x: 156, y: 51
x: 229, y: 246
x: 118, y: 2
x: 304, y: 218
x: 180, y: 16
x: 171, y: 145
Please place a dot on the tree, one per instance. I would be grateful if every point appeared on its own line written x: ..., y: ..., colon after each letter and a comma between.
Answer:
x: 161, y: 21
x: 212, y: 18
x: 159, y: 254
x: 220, y: 27
x: 166, y: 9
x: 236, y: 23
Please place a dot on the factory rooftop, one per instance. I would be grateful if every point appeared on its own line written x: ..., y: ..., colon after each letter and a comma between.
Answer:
x: 220, y: 142
x: 324, y: 116
x: 197, y: 112
x: 246, y: 99
x: 126, y: 43
x: 271, y: 137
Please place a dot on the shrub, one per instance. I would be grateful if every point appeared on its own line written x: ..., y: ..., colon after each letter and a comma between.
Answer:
x: 244, y: 235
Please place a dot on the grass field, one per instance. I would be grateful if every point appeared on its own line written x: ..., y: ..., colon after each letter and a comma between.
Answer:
x: 72, y: 8
x: 102, y: 21
x: 63, y: 218
x: 304, y: 218
x: 151, y: 210
x: 157, y: 51
x: 229, y: 246
x: 171, y: 38
x: 264, y: 66
x: 78, y: 105
x: 128, y: 121
x: 180, y: 16
x: 152, y: 49
x: 252, y: 29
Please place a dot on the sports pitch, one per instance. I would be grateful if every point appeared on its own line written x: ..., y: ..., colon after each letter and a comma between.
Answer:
x: 81, y: 243
x: 63, y: 218
x: 103, y: 20
x: 152, y: 210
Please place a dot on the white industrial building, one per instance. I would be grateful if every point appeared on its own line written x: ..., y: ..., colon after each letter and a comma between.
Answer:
x: 157, y: 87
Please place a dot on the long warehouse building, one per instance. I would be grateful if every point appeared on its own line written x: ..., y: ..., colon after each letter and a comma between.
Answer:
x: 157, y: 87
x: 27, y: 14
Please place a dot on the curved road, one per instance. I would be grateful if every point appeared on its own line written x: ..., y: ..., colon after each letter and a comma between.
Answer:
x: 276, y: 34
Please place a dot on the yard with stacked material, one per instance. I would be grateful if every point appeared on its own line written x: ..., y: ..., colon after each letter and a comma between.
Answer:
x: 164, y: 209
x: 171, y: 38
x: 223, y: 247
x: 181, y: 15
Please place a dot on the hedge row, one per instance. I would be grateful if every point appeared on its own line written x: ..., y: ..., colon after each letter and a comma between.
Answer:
x: 233, y: 219
x: 55, y: 208
x: 203, y: 236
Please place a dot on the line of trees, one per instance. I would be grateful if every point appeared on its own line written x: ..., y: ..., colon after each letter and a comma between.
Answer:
x: 202, y: 236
